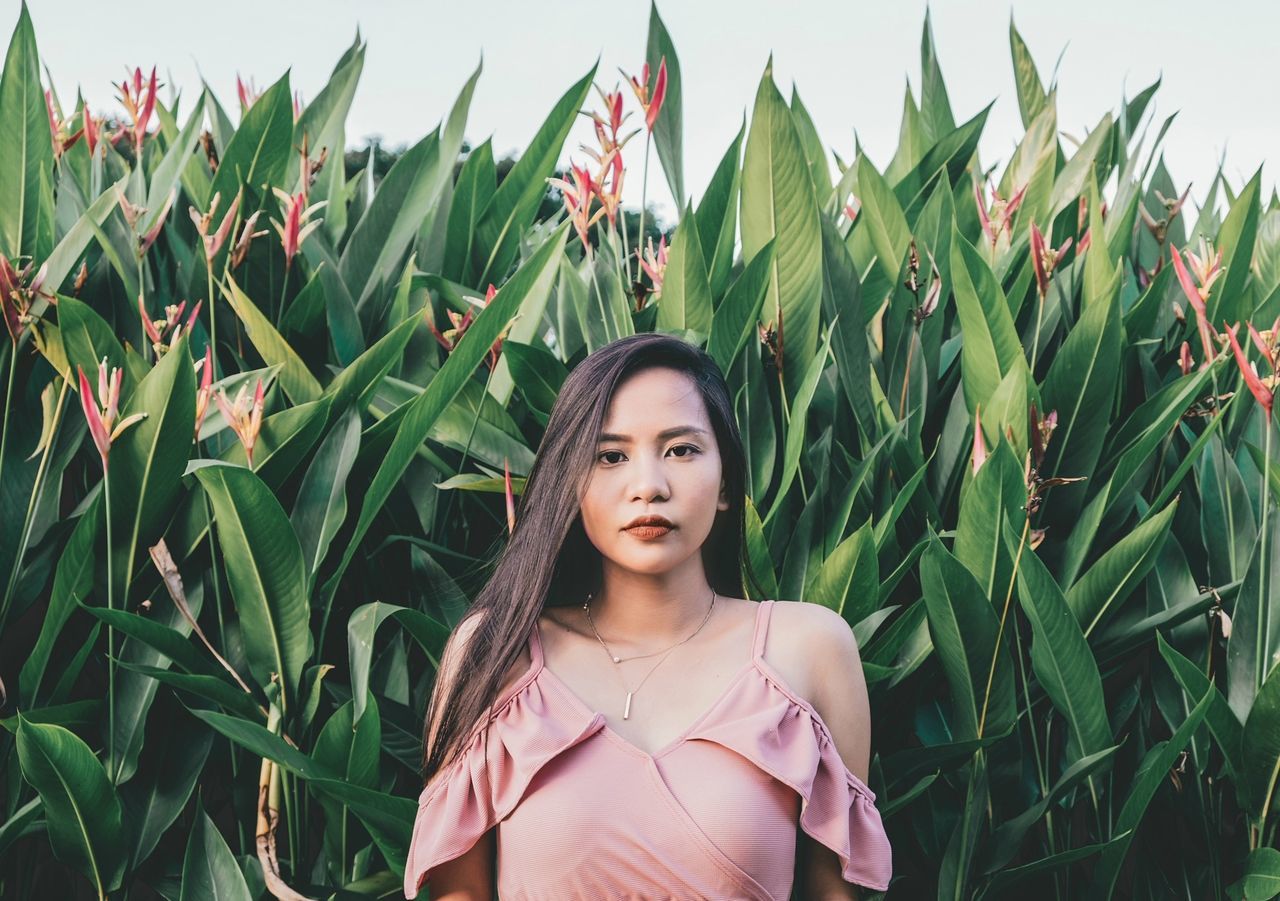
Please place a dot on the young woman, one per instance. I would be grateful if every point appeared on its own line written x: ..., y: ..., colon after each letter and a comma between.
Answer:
x: 611, y: 719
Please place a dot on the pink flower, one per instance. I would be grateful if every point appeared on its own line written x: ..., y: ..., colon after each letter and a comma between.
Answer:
x: 62, y: 141
x: 1207, y: 272
x: 295, y: 228
x: 244, y: 416
x: 979, y: 442
x: 18, y: 288
x: 205, y: 390
x: 577, y: 200
x: 101, y: 415
x: 654, y: 263
x: 140, y: 102
x: 1264, y: 392
x: 213, y: 242
x: 247, y: 93
x: 1000, y: 217
x: 651, y: 105
x: 1044, y: 259
x: 158, y: 330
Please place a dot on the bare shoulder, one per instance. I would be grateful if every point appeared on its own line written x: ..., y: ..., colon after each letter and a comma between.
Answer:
x: 455, y: 651
x: 814, y: 649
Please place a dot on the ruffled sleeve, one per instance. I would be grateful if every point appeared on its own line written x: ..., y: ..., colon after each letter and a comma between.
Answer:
x: 784, y: 735
x: 487, y: 779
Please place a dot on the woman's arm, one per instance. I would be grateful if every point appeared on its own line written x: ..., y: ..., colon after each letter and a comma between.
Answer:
x: 469, y: 877
x: 839, y: 694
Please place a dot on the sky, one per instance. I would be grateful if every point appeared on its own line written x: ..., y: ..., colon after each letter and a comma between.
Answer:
x: 850, y: 62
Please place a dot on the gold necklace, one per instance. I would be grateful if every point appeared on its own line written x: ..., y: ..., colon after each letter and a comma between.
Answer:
x: 626, y: 710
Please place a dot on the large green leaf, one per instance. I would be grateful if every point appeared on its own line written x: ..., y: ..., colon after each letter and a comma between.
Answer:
x: 965, y: 629
x: 265, y: 571
x: 363, y: 626
x: 882, y: 217
x: 668, y: 129
x: 991, y: 348
x: 734, y: 322
x: 80, y: 804
x: 778, y: 205
x: 424, y: 410
x: 717, y: 215
x: 209, y: 870
x: 513, y: 206
x: 1031, y: 94
x: 258, y: 153
x: 26, y: 153
x: 1061, y: 659
x: 321, y: 506
x: 296, y: 380
x: 685, y: 302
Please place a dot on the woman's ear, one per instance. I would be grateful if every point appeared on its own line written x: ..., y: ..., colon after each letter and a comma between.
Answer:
x: 723, y: 502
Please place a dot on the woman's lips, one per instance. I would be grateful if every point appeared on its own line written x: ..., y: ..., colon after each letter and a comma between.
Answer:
x: 648, y: 533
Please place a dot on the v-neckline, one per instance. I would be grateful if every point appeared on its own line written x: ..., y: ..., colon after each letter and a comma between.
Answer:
x: 587, y: 710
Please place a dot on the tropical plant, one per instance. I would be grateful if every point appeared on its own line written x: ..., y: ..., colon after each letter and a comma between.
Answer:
x: 1005, y: 433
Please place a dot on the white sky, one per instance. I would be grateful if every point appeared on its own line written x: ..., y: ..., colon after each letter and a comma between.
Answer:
x: 849, y: 61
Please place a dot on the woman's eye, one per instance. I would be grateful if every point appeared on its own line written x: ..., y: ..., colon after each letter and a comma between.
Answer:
x: 689, y: 448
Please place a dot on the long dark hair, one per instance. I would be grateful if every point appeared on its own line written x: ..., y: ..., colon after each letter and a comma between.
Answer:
x: 548, y: 558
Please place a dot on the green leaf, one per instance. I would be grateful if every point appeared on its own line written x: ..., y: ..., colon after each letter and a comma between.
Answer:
x: 26, y: 153
x: 734, y: 323
x: 991, y: 348
x: 475, y: 187
x: 778, y: 203
x: 515, y: 203
x: 1119, y: 571
x: 172, y: 761
x: 882, y: 216
x: 1261, y: 742
x: 668, y: 128
x: 849, y: 581
x: 266, y: 573
x: 685, y: 302
x: 258, y: 153
x: 1221, y: 720
x: 1031, y: 95
x: 1152, y: 772
x: 1061, y: 658
x: 997, y: 494
x: 794, y: 442
x: 421, y: 413
x: 717, y: 215
x: 321, y: 506
x: 209, y: 870
x: 965, y: 631
x: 363, y: 626
x: 165, y: 177
x: 296, y: 380
x: 80, y: 804
x: 1261, y: 877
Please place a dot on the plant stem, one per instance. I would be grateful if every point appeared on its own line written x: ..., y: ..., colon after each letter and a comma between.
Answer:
x: 1004, y: 614
x: 213, y: 315
x: 114, y: 768
x: 1035, y: 342
x: 284, y: 287
x: 35, y: 496
x: 644, y: 194
x: 142, y: 299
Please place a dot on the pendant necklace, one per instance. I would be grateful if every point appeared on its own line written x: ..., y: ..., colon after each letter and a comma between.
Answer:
x: 626, y: 711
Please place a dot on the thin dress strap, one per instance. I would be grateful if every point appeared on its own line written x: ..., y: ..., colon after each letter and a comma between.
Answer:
x: 762, y: 628
x: 535, y: 646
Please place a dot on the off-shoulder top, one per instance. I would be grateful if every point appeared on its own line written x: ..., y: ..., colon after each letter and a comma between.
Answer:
x: 582, y: 813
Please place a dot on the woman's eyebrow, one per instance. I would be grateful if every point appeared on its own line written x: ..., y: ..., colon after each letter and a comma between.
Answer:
x: 662, y: 436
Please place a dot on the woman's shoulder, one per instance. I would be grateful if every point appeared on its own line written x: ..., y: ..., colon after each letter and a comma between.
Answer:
x: 806, y: 642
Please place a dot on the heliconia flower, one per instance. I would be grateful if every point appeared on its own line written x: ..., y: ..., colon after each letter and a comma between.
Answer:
x: 247, y: 234
x: 140, y: 102
x: 611, y: 169
x: 205, y: 390
x: 1041, y: 430
x: 62, y: 141
x: 772, y: 342
x: 979, y: 455
x: 92, y: 129
x: 577, y: 200
x: 1173, y: 206
x: 247, y: 93
x: 651, y: 105
x: 244, y: 416
x: 1044, y: 258
x: 164, y: 333
x: 999, y: 219
x: 146, y: 240
x: 297, y: 105
x: 511, y: 504
x: 1185, y: 362
x: 1207, y: 272
x: 932, y: 295
x: 609, y: 140
x: 295, y: 228
x: 852, y: 208
x: 1266, y: 341
x: 101, y: 414
x: 18, y: 289
x: 1263, y: 392
x: 654, y: 263
x: 213, y: 242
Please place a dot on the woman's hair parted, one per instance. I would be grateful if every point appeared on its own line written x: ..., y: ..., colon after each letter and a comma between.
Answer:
x: 548, y: 559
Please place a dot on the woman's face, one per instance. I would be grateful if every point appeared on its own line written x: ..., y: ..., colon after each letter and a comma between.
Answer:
x: 657, y: 455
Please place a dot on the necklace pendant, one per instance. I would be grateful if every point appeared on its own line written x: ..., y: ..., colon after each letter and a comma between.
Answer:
x: 626, y: 711
x: 617, y: 660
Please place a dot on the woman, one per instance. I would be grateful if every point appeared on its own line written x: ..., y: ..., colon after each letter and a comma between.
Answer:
x: 647, y: 732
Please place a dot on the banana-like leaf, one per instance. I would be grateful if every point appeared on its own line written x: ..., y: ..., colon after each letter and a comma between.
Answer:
x: 209, y: 870
x: 296, y: 380
x: 266, y: 573
x: 80, y: 803
x: 991, y: 348
x: 685, y: 302
x: 321, y: 506
x: 258, y: 153
x: 26, y: 154
x: 777, y: 204
x: 717, y: 215
x: 668, y: 128
x: 734, y: 322
x: 362, y: 627
x: 1031, y: 94
x: 966, y: 633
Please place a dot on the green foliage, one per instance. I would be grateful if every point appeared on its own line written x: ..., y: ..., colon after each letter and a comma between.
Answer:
x: 1053, y: 536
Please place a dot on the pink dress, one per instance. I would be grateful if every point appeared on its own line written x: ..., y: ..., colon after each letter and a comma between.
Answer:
x: 582, y: 813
